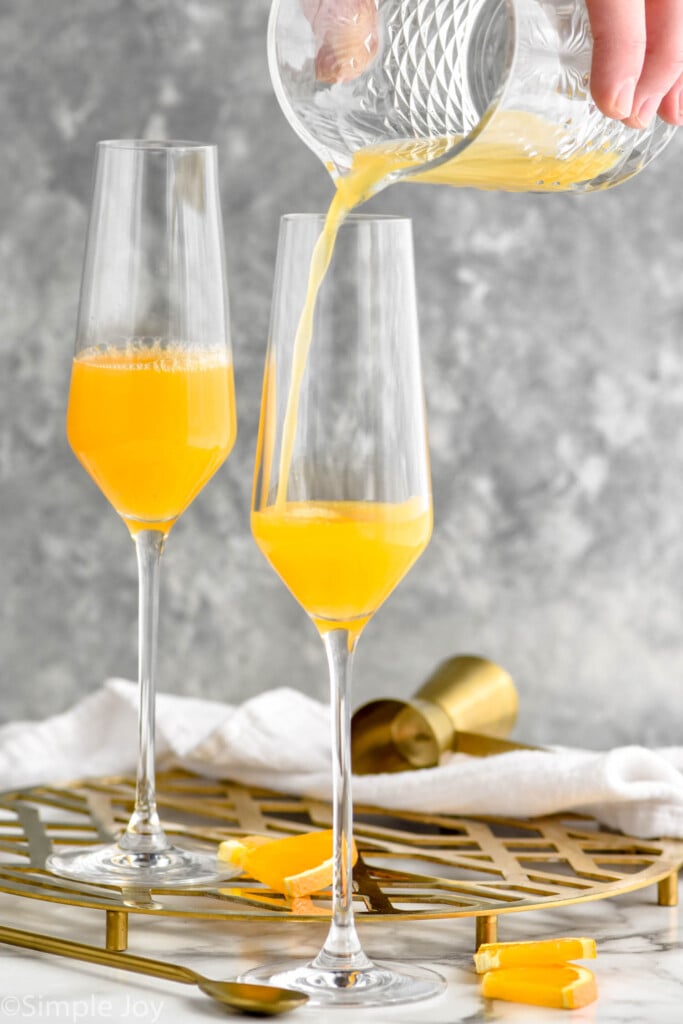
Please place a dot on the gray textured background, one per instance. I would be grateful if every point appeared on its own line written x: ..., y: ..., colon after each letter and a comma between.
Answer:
x: 552, y: 335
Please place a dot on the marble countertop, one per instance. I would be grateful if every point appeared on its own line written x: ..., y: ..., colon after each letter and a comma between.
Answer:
x: 639, y: 967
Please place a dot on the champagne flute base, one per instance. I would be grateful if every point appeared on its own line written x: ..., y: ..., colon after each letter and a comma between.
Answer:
x: 114, y: 865
x: 379, y: 984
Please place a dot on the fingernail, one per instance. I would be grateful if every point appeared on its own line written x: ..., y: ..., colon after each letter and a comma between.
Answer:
x: 623, y: 101
x: 647, y: 110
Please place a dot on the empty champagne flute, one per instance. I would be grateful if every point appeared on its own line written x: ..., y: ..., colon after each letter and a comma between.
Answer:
x: 151, y: 416
x: 342, y: 506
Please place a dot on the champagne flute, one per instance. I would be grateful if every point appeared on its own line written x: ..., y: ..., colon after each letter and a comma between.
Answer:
x: 342, y: 506
x: 151, y: 415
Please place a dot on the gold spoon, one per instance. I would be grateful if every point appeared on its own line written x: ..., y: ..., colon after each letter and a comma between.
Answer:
x: 258, y: 1000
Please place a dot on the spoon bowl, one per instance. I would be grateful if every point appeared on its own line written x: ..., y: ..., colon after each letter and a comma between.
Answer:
x: 258, y: 1000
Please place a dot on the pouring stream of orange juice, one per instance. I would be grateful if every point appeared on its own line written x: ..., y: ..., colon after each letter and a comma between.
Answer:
x: 494, y: 160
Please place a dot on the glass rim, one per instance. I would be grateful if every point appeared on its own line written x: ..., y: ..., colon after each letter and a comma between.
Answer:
x: 351, y: 218
x: 155, y: 145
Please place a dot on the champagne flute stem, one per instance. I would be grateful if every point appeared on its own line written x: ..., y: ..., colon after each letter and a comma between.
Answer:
x: 342, y: 950
x: 144, y: 833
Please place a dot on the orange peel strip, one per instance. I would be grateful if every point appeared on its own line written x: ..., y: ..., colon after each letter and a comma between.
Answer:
x: 296, y: 865
x: 561, y: 986
x: 493, y: 955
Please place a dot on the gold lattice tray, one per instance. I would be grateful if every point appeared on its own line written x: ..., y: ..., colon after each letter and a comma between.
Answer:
x: 409, y: 866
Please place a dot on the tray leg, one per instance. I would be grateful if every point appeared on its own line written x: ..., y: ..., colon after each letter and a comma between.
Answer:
x: 117, y: 930
x: 487, y: 929
x: 667, y: 890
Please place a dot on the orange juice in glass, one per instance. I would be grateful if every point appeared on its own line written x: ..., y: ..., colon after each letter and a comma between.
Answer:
x: 317, y: 547
x: 151, y: 426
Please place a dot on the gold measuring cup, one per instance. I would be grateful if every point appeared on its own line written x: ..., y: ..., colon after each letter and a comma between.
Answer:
x: 468, y: 704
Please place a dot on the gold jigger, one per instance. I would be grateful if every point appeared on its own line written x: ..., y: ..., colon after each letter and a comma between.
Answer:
x: 467, y: 704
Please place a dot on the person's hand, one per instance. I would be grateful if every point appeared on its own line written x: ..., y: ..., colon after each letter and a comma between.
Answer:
x: 638, y: 59
x: 637, y: 54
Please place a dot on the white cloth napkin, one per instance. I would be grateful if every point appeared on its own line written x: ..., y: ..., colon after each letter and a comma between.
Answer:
x: 281, y: 740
